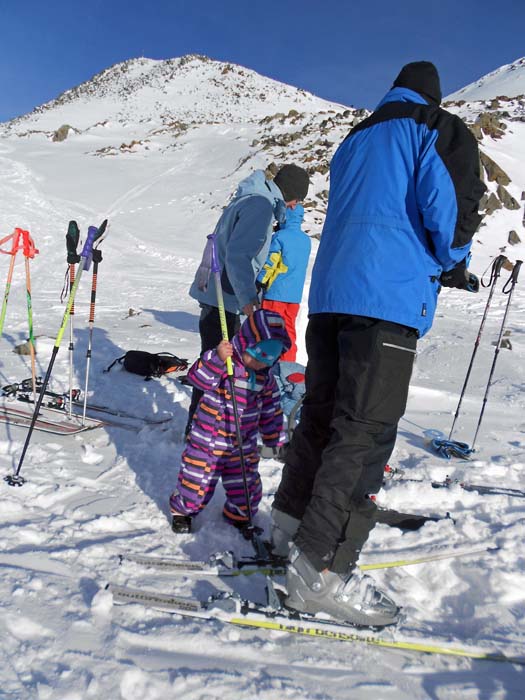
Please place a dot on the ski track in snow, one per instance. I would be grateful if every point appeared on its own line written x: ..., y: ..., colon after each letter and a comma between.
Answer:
x: 91, y: 496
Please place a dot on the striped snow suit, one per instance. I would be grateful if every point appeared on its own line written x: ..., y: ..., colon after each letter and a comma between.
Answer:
x: 212, y: 451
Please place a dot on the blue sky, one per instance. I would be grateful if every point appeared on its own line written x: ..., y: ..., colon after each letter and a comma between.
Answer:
x: 342, y: 50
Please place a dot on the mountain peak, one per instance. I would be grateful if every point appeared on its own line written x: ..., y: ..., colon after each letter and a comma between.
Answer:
x: 193, y: 88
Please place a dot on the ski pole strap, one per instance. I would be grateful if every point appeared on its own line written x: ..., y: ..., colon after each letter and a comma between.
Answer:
x: 513, y: 278
x: 495, y: 270
x: 16, y: 242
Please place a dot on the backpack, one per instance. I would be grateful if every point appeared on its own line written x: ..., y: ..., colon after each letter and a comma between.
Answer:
x: 150, y: 365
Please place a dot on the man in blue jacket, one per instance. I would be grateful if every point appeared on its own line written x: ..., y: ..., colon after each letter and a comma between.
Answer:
x: 243, y: 234
x: 402, y: 211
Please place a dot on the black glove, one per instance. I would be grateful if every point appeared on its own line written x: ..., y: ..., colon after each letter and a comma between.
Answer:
x: 260, y: 287
x: 460, y: 278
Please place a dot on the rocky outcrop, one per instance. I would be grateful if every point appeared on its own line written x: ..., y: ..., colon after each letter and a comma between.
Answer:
x: 506, y: 199
x: 490, y: 124
x: 494, y: 172
x: 62, y: 133
x: 490, y: 203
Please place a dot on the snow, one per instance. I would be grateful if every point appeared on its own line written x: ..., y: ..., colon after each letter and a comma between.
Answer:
x: 508, y: 80
x: 92, y: 496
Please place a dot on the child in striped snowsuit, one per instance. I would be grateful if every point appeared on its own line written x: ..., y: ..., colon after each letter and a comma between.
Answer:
x: 212, y: 451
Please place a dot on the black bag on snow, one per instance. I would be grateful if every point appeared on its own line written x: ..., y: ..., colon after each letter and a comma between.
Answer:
x: 149, y: 364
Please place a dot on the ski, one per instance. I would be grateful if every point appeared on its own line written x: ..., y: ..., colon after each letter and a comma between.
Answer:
x: 22, y: 393
x: 49, y: 420
x: 124, y: 414
x: 230, y: 609
x: 480, y: 488
x: 395, y: 474
x: 224, y: 564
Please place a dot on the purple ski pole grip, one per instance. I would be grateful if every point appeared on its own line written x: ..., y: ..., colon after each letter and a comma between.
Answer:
x: 215, y: 267
x: 87, y: 250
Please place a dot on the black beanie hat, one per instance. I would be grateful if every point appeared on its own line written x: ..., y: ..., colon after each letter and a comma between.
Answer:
x: 422, y: 77
x: 293, y: 182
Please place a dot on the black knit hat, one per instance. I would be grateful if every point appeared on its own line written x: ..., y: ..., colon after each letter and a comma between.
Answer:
x: 422, y: 77
x: 293, y: 182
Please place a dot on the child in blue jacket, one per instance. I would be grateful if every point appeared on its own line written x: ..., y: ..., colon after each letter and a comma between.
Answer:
x: 284, y: 273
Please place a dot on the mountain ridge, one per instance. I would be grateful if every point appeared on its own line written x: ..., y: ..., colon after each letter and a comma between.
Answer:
x: 506, y: 81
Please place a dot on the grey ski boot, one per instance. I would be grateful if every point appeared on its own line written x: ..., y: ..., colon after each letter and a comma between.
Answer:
x: 283, y: 531
x: 354, y: 599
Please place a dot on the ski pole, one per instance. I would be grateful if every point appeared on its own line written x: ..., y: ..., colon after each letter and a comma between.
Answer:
x: 15, y: 479
x: 14, y: 250
x: 72, y: 236
x: 30, y: 251
x: 97, y: 258
x: 494, y: 274
x: 250, y: 531
x: 510, y: 284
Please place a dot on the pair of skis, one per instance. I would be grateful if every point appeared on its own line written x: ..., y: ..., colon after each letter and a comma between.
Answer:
x: 49, y: 420
x: 58, y: 404
x: 228, y: 608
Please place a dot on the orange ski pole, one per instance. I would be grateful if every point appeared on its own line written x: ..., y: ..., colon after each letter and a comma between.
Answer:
x: 15, y: 236
x: 30, y: 251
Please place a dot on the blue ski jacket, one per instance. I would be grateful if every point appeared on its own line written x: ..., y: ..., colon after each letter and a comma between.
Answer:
x: 291, y: 246
x: 402, y: 207
x: 243, y: 235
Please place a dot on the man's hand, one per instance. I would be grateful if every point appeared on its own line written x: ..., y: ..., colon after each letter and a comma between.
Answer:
x: 224, y: 350
x: 460, y: 278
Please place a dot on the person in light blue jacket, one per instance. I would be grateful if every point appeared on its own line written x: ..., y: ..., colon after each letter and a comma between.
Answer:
x: 283, y: 274
x: 242, y: 239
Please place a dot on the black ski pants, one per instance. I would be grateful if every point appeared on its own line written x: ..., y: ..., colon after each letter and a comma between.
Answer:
x: 211, y: 335
x: 357, y: 381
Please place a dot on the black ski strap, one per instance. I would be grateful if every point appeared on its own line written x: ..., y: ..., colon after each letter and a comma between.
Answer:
x: 513, y: 278
x: 119, y: 360
x: 495, y: 269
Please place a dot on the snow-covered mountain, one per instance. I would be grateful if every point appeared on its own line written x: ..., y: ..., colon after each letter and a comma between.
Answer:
x: 193, y: 89
x: 508, y: 81
x: 158, y: 147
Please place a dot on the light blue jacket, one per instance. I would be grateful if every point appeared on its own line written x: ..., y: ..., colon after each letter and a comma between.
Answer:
x: 243, y: 235
x: 294, y: 246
